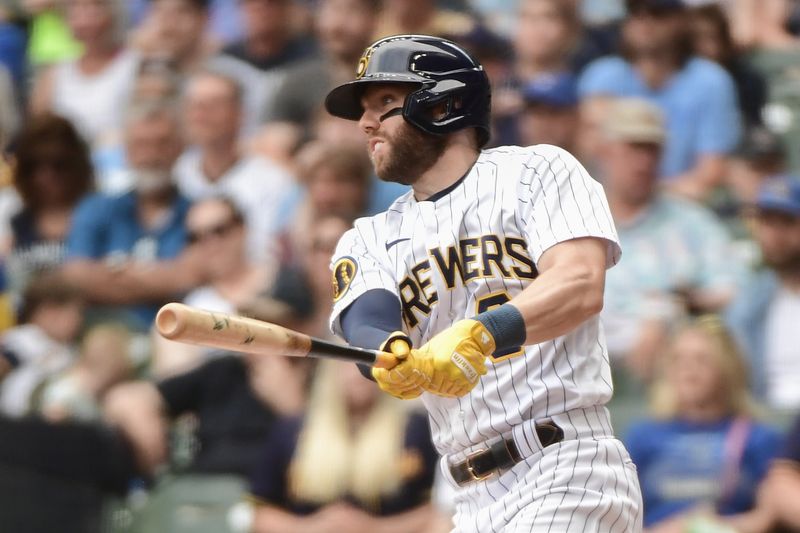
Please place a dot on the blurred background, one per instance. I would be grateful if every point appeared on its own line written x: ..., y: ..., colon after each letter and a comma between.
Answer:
x: 163, y: 150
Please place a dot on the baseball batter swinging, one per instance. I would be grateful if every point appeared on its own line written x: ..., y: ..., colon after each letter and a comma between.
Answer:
x: 486, y: 279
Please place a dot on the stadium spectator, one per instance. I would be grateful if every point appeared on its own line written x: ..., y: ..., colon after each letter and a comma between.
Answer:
x: 545, y: 37
x: 215, y: 165
x: 702, y: 456
x: 42, y: 345
x: 357, y: 462
x: 421, y: 16
x: 78, y: 392
x: 303, y: 281
x: 590, y: 139
x: 781, y: 490
x: 550, y: 115
x: 13, y: 39
x: 261, y: 59
x: 765, y: 314
x: 344, y: 28
x: 215, y: 227
x: 9, y: 108
x: 336, y: 181
x: 764, y: 29
x: 235, y: 399
x: 125, y: 250
x: 89, y: 89
x: 761, y: 154
x: 52, y: 173
x: 713, y: 40
x: 697, y: 96
x: 175, y: 31
x: 677, y: 258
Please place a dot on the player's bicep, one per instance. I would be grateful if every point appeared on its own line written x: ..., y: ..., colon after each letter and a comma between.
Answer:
x: 585, y: 256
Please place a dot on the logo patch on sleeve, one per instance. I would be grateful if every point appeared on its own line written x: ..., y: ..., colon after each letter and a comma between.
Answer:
x: 344, y: 271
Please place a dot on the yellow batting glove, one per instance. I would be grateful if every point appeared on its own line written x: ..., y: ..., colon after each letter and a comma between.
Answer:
x: 399, y: 381
x: 454, y: 360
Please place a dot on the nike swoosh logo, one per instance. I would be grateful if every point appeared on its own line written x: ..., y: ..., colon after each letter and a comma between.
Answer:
x: 390, y: 244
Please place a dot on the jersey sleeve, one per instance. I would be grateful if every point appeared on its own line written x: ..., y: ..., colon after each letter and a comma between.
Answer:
x: 559, y: 201
x: 357, y: 268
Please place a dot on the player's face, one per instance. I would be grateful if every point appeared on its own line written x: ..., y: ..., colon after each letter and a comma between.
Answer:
x: 399, y: 152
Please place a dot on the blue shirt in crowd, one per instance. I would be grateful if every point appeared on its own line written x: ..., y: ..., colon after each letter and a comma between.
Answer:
x: 107, y: 227
x: 681, y: 465
x: 699, y: 104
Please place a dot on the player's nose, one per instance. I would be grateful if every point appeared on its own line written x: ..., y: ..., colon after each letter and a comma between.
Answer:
x: 369, y: 122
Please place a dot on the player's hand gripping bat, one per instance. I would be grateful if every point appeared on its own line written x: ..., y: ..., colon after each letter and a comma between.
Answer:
x: 182, y: 323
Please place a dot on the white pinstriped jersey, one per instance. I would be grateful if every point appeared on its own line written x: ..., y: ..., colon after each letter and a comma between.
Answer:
x: 475, y: 247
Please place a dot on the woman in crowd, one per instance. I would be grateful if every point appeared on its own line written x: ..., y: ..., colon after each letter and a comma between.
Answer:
x: 89, y: 89
x: 53, y: 172
x: 216, y: 230
x: 357, y: 462
x: 701, y: 457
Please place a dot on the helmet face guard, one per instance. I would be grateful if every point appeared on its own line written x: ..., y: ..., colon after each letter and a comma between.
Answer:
x: 445, y: 77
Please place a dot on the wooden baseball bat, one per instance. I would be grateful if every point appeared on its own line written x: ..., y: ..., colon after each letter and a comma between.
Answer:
x: 183, y: 323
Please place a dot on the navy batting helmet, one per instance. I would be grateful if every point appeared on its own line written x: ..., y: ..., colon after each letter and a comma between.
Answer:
x: 442, y: 70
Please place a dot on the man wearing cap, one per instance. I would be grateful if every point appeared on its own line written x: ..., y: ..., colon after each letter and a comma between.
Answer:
x: 766, y: 314
x: 550, y: 115
x: 697, y: 96
x: 679, y: 259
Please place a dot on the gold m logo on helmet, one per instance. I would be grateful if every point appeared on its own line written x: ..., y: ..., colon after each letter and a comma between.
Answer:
x: 363, y: 63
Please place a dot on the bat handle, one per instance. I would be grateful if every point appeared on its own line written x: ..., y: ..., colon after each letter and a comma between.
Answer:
x: 386, y: 360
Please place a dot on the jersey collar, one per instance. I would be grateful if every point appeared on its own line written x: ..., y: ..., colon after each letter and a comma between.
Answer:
x: 450, y: 188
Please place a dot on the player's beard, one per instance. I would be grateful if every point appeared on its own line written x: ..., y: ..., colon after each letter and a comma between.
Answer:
x: 410, y: 153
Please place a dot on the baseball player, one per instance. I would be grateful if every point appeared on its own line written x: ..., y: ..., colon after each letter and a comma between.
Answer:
x: 486, y: 280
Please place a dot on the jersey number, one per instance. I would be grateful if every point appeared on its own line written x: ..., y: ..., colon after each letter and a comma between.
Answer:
x: 490, y: 301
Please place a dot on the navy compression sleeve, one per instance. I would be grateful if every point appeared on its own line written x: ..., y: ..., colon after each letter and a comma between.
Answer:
x: 370, y: 319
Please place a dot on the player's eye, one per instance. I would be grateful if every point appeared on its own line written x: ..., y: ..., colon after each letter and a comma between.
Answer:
x: 387, y: 99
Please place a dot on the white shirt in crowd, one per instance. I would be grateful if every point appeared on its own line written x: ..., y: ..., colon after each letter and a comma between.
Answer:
x: 40, y: 358
x: 257, y: 186
x: 782, y: 351
x: 93, y: 103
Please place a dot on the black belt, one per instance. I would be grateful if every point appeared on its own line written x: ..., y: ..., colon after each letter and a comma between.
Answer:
x: 501, y: 455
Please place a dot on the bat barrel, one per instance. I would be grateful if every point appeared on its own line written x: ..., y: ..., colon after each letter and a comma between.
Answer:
x: 169, y: 323
x: 183, y: 323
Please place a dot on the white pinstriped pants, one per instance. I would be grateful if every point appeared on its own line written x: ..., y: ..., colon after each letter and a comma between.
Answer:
x: 581, y: 485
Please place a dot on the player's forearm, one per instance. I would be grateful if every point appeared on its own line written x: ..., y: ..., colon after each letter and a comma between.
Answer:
x: 559, y: 300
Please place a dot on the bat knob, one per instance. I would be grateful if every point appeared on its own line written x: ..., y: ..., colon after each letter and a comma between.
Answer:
x: 168, y: 320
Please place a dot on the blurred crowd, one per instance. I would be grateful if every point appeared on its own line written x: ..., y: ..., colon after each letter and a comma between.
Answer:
x: 177, y: 150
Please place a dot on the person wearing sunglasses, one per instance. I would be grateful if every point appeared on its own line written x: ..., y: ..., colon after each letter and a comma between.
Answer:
x: 215, y: 230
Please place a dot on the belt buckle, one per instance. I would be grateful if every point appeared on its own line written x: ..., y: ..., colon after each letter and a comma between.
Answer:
x: 471, y: 469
